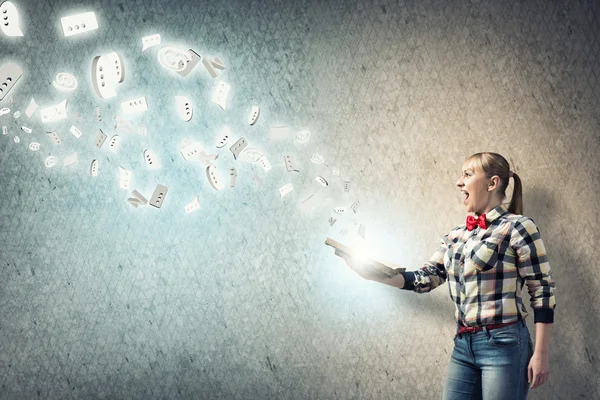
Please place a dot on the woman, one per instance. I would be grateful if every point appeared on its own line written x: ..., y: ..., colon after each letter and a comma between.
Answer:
x: 486, y: 263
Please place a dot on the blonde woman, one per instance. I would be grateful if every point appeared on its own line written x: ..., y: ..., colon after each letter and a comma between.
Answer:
x: 486, y: 262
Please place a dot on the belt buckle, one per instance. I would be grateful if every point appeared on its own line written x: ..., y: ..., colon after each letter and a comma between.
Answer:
x: 469, y: 329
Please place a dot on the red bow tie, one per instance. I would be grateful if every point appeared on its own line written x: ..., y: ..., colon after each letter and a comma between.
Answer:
x: 472, y: 222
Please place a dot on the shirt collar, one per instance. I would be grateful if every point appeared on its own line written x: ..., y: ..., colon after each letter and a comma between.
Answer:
x: 495, y: 213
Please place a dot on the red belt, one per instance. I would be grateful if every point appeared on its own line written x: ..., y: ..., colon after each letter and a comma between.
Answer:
x: 471, y: 329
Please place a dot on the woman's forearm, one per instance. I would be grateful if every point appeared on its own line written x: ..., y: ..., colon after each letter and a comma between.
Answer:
x: 542, y: 338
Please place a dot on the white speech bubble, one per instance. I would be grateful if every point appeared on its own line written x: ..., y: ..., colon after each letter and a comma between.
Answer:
x: 254, y: 114
x: 151, y: 159
x: 9, y: 75
x: 107, y: 71
x: 79, y: 23
x: 285, y: 189
x: 124, y: 178
x: 9, y: 18
x: 193, y: 206
x: 134, y: 105
x: 54, y: 113
x: 184, y: 107
x: 149, y: 41
x: 4, y: 111
x: 34, y: 146
x: 17, y: 140
x: 94, y: 168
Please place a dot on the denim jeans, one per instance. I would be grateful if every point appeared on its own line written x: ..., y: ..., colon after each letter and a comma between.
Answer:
x: 490, y: 365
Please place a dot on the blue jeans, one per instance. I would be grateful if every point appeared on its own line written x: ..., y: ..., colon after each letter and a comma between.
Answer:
x: 490, y: 365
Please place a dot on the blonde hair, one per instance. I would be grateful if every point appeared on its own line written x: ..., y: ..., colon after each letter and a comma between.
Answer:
x: 494, y: 164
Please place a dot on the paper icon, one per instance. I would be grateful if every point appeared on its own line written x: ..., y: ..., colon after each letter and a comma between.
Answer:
x: 9, y: 75
x: 65, y: 82
x: 220, y: 94
x: 184, y: 108
x: 31, y: 108
x: 285, y: 190
x: 193, y: 206
x: 124, y: 178
x: 54, y: 113
x: 70, y: 159
x: 79, y: 23
x: 9, y: 18
x: 149, y: 41
x: 134, y: 105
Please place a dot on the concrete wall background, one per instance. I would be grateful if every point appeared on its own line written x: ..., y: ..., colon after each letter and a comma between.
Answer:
x: 241, y: 299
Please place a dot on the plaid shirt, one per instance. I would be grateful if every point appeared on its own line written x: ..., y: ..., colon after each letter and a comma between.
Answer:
x: 486, y: 270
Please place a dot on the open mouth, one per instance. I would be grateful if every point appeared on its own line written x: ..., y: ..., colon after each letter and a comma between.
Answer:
x: 466, y: 197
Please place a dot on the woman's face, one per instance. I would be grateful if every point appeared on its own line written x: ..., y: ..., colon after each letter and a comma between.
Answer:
x: 473, y: 186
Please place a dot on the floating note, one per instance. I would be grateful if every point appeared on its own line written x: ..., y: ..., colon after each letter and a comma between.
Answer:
x: 54, y: 137
x: 113, y: 144
x: 10, y: 19
x: 220, y: 94
x: 251, y: 155
x: 79, y: 23
x: 100, y: 138
x: 285, y: 190
x: 9, y: 75
x: 223, y: 137
x: 237, y: 147
x: 4, y: 130
x: 149, y: 41
x: 4, y: 111
x: 193, y: 206
x: 70, y: 159
x: 233, y: 174
x: 54, y: 113
x: 322, y: 181
x: 76, y: 132
x: 125, y: 176
x: 317, y: 159
x: 65, y: 82
x: 26, y: 129
x: 34, y: 146
x: 31, y: 108
x: 279, y: 132
x: 17, y: 140
x: 264, y: 163
x: 17, y: 114
x: 134, y: 105
x: 151, y: 159
x: 289, y: 163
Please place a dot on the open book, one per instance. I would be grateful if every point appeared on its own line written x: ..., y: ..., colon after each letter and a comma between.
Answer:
x: 381, y: 269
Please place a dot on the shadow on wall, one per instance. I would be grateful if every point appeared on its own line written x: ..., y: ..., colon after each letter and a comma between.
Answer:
x: 574, y: 367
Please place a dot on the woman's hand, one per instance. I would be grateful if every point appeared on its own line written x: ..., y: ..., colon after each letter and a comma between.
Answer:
x: 358, y: 266
x: 538, y: 370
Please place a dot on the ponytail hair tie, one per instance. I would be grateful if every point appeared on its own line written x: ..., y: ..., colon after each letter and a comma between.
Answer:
x: 510, y: 174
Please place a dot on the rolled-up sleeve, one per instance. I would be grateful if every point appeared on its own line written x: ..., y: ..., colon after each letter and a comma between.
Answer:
x: 534, y: 268
x: 431, y: 275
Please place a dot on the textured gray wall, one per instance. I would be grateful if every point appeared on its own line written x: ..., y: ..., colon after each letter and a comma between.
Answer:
x: 241, y: 299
